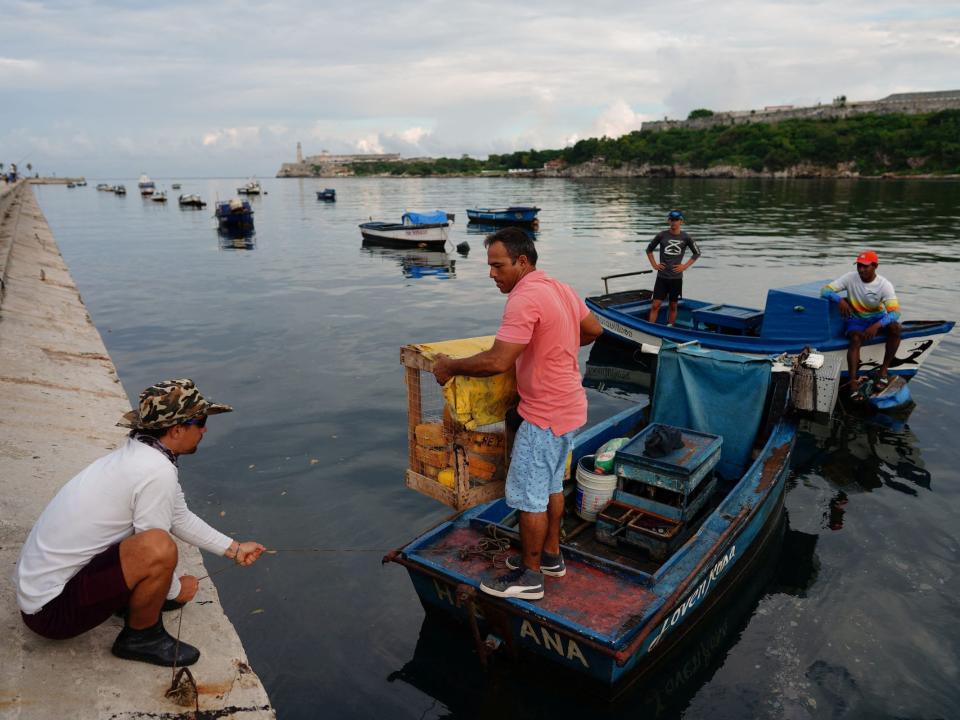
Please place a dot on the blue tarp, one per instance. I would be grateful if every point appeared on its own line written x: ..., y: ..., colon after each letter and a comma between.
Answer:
x: 716, y: 392
x: 427, y: 218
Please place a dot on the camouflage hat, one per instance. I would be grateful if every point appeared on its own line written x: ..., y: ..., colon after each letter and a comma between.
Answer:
x: 169, y: 403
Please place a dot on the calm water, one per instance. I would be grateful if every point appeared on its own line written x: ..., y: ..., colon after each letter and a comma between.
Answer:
x: 300, y: 328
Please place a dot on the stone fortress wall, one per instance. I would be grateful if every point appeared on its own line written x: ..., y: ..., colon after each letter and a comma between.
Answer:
x: 909, y: 103
x: 329, y: 165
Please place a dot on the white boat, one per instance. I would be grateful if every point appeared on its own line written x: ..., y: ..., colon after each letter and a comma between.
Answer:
x: 421, y: 230
x: 159, y: 196
x: 176, y: 186
x: 146, y: 185
x: 119, y: 190
x: 251, y: 188
x: 191, y: 200
x: 104, y: 187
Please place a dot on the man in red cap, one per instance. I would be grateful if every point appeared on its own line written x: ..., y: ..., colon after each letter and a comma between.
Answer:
x: 870, y: 307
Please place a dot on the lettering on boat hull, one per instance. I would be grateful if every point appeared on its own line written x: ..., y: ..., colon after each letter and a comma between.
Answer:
x: 554, y: 641
x: 698, y: 593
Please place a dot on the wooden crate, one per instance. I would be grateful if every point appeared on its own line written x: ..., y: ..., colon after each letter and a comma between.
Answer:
x: 478, y: 459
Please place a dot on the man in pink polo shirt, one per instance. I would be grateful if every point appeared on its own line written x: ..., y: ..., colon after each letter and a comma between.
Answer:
x: 544, y: 324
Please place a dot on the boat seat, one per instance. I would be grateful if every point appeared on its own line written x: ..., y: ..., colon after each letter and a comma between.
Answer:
x: 740, y: 320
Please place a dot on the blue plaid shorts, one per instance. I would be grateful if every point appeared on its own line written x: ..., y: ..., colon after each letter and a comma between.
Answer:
x: 537, y: 464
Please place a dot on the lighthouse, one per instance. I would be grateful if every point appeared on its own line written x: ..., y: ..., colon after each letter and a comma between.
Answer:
x: 299, y: 154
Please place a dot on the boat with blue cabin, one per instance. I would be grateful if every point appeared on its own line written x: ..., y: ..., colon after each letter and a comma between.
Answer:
x: 416, y: 229
x: 682, y: 531
x: 513, y: 215
x: 328, y: 194
x: 146, y: 185
x: 794, y: 317
x: 234, y: 215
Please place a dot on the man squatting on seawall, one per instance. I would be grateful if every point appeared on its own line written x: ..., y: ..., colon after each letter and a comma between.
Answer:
x: 103, y: 544
x: 544, y: 324
x: 669, y: 284
x: 871, y: 307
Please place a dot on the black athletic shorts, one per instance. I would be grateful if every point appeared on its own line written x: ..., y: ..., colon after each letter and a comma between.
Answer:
x: 91, y: 596
x: 668, y: 287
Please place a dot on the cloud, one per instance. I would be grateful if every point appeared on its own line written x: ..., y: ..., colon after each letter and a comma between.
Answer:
x: 216, y: 88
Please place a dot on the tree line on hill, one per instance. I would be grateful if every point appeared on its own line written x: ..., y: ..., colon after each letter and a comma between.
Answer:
x: 873, y: 144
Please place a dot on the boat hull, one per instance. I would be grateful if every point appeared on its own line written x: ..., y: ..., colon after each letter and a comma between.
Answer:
x: 396, y: 235
x: 917, y: 341
x: 503, y: 216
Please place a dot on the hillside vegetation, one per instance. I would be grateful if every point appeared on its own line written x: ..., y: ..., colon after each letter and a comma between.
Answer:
x: 865, y: 144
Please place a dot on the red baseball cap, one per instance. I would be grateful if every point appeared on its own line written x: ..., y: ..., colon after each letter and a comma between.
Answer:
x: 868, y: 257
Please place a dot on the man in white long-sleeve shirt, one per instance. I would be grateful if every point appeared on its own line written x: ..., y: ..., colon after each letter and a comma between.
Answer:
x: 104, y: 543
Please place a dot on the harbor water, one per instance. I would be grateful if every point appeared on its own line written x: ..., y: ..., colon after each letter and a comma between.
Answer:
x: 299, y: 326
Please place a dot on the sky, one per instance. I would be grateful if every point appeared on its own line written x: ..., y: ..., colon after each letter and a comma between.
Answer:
x: 223, y: 88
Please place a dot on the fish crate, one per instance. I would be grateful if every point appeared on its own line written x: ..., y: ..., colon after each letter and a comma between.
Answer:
x: 680, y: 470
x: 459, y: 466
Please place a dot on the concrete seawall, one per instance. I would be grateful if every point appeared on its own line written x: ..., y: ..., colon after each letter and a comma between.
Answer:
x: 60, y: 399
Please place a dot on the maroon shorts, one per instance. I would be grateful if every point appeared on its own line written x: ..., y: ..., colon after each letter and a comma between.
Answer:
x: 91, y: 596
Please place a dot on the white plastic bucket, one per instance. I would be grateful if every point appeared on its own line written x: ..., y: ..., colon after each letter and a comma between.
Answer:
x: 594, y: 490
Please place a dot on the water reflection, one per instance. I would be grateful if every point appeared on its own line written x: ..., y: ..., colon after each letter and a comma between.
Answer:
x: 475, y: 228
x: 237, y: 239
x: 415, y: 262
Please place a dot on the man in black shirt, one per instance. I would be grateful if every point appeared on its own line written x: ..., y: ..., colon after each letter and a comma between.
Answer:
x: 673, y: 243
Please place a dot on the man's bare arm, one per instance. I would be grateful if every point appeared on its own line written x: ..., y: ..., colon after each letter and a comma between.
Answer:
x: 500, y: 358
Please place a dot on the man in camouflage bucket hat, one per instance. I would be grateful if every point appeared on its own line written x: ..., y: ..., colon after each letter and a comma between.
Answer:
x: 103, y: 544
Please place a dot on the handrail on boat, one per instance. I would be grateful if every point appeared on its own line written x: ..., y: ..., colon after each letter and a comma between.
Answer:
x: 606, y: 290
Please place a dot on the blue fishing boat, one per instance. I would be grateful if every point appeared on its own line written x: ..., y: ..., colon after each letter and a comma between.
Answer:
x: 235, y: 214
x: 794, y: 317
x: 328, y: 194
x: 679, y: 535
x: 513, y: 215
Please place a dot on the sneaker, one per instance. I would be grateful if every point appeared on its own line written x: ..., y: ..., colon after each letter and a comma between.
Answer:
x: 550, y: 564
x: 520, y: 583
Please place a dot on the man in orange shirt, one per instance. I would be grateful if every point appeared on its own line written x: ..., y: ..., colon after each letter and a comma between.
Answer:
x: 544, y: 324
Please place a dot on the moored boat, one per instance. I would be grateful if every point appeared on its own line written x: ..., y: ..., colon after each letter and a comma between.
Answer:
x: 146, y: 185
x: 235, y: 214
x: 191, y: 200
x: 794, y: 317
x: 175, y: 186
x: 680, y: 534
x: 104, y: 187
x: 159, y: 196
x: 415, y: 230
x: 328, y: 194
x: 252, y: 187
x: 513, y: 215
x: 119, y: 190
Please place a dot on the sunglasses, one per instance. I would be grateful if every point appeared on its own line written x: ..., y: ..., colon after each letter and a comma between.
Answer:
x: 199, y: 422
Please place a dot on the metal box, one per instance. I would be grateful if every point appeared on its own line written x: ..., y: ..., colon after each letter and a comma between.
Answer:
x: 681, y: 470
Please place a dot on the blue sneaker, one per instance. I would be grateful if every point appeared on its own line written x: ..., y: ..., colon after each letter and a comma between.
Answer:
x: 550, y: 564
x: 519, y: 583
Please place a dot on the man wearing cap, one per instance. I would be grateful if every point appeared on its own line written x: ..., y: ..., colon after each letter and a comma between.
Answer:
x: 870, y: 307
x: 669, y: 285
x: 104, y: 543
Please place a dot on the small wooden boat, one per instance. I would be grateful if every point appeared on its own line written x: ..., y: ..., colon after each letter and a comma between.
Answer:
x: 159, y: 196
x: 119, y: 190
x: 191, y: 200
x: 415, y: 230
x: 146, y: 185
x: 234, y: 215
x: 795, y: 317
x: 251, y: 188
x: 328, y: 194
x: 680, y: 534
x: 513, y: 215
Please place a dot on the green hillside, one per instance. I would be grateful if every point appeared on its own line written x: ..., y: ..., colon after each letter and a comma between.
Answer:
x: 875, y: 144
